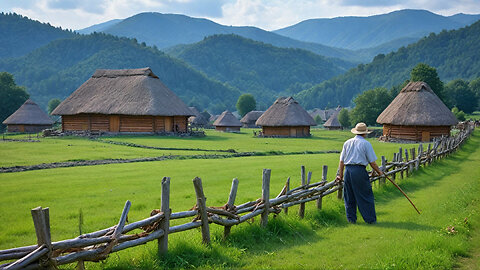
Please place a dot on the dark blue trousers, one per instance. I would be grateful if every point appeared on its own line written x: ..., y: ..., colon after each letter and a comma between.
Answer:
x: 357, y: 191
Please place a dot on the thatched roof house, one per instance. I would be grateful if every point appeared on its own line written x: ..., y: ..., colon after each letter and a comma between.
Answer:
x: 416, y: 114
x: 250, y: 118
x: 125, y: 100
x: 28, y: 118
x: 227, y: 122
x: 332, y: 123
x: 286, y: 118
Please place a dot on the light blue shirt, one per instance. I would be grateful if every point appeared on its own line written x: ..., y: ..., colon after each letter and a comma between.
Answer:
x: 357, y: 151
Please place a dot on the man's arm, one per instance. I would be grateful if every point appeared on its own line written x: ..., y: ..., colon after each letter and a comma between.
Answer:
x: 341, y: 167
x: 375, y: 167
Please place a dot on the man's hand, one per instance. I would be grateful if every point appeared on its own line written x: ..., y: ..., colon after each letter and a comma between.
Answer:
x: 338, y: 179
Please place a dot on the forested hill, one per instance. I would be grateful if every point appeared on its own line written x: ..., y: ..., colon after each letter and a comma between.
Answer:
x: 59, y: 68
x: 455, y: 54
x: 166, y: 30
x: 20, y: 35
x: 258, y: 68
x: 365, y: 32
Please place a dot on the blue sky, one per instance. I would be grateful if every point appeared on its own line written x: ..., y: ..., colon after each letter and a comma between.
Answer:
x: 266, y: 14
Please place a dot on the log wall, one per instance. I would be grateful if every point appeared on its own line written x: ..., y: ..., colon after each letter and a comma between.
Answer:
x: 124, y: 123
x: 27, y: 128
x: 297, y: 131
x: 415, y: 133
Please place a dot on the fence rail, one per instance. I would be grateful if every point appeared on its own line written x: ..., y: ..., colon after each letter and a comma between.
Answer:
x: 96, y: 246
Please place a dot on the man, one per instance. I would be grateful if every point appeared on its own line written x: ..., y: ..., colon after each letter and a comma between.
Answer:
x: 356, y: 154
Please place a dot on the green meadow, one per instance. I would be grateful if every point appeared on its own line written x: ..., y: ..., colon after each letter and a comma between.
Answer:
x: 446, y: 193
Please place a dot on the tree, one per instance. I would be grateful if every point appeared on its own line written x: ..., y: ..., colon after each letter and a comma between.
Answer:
x: 245, y: 104
x: 459, y: 114
x: 475, y: 87
x: 11, y: 96
x: 369, y: 105
x: 52, y: 104
x: 425, y: 73
x: 344, y: 118
x: 459, y: 94
x: 318, y: 119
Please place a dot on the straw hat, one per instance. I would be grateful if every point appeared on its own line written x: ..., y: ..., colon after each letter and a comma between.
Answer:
x: 361, y: 128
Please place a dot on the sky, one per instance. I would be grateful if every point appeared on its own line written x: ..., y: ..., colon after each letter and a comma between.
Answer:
x: 266, y: 14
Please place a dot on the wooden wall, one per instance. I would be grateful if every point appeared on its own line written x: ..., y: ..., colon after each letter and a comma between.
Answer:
x: 227, y: 129
x: 297, y: 131
x: 124, y: 123
x: 27, y: 128
x: 415, y: 133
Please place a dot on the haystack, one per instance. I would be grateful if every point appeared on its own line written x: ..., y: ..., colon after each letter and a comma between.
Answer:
x: 227, y: 122
x: 286, y: 118
x: 126, y: 100
x: 416, y: 114
x: 28, y: 118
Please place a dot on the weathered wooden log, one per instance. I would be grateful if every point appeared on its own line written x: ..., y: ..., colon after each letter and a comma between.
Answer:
x: 309, y: 178
x: 202, y: 210
x: 221, y: 212
x: 247, y: 204
x: 164, y: 224
x: 231, y: 204
x: 184, y: 214
x: 301, y: 209
x: 250, y: 215
x: 184, y: 227
x: 140, y: 241
x: 29, y: 258
x: 324, y: 179
x: 287, y: 189
x: 383, y: 168
x: 41, y: 222
x: 265, y: 196
x: 141, y: 223
x: 316, y: 197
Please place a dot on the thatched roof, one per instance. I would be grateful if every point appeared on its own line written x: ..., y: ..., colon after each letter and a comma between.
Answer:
x: 227, y: 119
x: 198, y: 120
x: 285, y: 112
x: 195, y: 111
x: 28, y: 114
x: 333, y: 121
x: 417, y: 105
x: 123, y: 91
x: 251, y: 116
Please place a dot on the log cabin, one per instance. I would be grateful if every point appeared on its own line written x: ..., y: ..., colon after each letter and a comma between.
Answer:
x: 29, y: 118
x: 416, y: 114
x: 227, y: 122
x: 124, y: 101
x: 286, y: 118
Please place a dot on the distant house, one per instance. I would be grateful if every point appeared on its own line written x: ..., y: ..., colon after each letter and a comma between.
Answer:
x: 195, y: 113
x: 286, y: 118
x: 250, y: 118
x: 332, y: 123
x: 416, y: 114
x: 324, y: 114
x: 124, y: 101
x: 227, y: 122
x: 28, y: 118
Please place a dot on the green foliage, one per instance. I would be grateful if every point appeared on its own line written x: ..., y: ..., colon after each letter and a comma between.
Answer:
x: 245, y: 104
x: 459, y: 114
x: 344, y: 118
x: 460, y: 95
x: 12, y: 96
x: 318, y: 120
x: 52, y: 104
x: 425, y: 73
x: 454, y: 54
x: 475, y: 87
x: 369, y: 105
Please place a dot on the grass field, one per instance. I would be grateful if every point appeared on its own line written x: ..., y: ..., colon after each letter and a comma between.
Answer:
x: 445, y: 192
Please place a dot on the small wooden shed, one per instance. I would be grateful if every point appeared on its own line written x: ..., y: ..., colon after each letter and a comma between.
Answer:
x: 250, y: 118
x: 28, y: 118
x: 286, y: 118
x: 227, y: 122
x: 124, y: 101
x: 416, y: 114
x: 332, y: 123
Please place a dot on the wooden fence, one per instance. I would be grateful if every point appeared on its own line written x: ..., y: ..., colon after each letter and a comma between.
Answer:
x: 96, y: 246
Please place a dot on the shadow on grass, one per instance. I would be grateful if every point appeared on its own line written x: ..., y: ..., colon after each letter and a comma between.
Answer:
x: 409, y: 226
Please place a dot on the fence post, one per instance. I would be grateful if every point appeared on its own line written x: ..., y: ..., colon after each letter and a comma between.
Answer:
x: 165, y: 222
x: 407, y: 168
x: 394, y: 175
x: 400, y: 159
x: 429, y: 159
x: 383, y: 167
x: 324, y: 179
x: 265, y: 196
x: 202, y: 210
x: 41, y: 221
x: 230, y: 204
x: 285, y: 210
x: 301, y: 209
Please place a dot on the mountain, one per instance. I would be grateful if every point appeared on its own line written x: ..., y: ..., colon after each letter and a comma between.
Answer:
x: 99, y: 27
x: 364, y: 32
x: 454, y: 53
x: 167, y: 30
x: 21, y: 35
x: 57, y: 69
x: 258, y: 68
